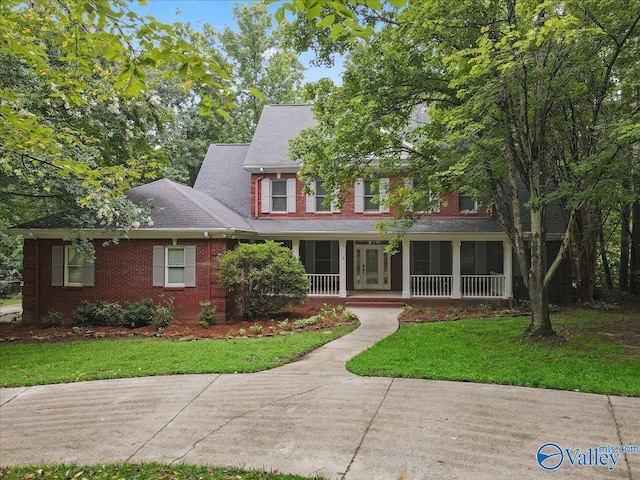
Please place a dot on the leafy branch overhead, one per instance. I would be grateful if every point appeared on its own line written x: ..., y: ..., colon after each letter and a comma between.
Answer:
x: 78, y: 106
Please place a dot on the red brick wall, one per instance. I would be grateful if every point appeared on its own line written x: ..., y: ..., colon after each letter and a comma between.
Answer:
x: 449, y: 207
x: 123, y: 273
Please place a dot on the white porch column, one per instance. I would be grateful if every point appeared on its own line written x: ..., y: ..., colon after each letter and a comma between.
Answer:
x: 406, y: 268
x: 507, y: 265
x: 342, y: 243
x: 295, y: 247
x: 456, y: 291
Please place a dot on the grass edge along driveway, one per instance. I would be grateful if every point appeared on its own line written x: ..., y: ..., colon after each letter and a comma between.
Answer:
x: 45, y: 363
x: 491, y: 350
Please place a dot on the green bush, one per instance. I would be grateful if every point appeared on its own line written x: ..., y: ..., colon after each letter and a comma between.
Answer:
x: 263, y: 277
x: 52, y: 319
x: 207, y: 314
x: 140, y: 313
x: 305, y: 322
x: 98, y: 314
x: 163, y: 314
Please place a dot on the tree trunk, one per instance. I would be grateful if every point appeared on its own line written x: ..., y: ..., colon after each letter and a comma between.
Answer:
x: 586, y: 237
x: 605, y: 260
x: 634, y: 279
x: 625, y: 248
x: 540, y: 325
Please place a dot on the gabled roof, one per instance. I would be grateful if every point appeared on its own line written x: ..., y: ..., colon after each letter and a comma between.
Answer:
x: 270, y: 145
x: 178, y: 206
x: 223, y: 177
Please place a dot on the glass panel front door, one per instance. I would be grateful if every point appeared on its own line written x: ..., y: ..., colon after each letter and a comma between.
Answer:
x: 372, y: 268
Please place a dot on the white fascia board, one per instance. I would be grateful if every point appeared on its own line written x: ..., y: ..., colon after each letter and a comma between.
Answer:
x: 139, y: 233
x: 272, y: 169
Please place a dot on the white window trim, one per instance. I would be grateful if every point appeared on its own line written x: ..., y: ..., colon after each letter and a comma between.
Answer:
x: 272, y: 196
x: 67, y: 282
x: 383, y: 196
x: 167, y: 266
x: 312, y: 199
x: 475, y: 204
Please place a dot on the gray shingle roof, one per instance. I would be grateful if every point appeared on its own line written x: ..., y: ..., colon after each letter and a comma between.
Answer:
x: 270, y: 145
x: 180, y: 206
x: 223, y: 177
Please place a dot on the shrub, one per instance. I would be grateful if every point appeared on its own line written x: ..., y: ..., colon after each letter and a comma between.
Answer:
x: 262, y: 278
x: 206, y: 315
x: 98, y: 314
x: 140, y: 313
x: 285, y: 325
x: 52, y: 319
x: 305, y: 322
x: 349, y: 316
x: 163, y: 314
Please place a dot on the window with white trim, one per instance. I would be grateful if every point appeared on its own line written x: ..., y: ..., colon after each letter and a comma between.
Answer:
x: 372, y: 196
x: 175, y: 266
x: 73, y: 266
x: 321, y: 196
x: 69, y: 267
x: 278, y: 195
x: 467, y: 204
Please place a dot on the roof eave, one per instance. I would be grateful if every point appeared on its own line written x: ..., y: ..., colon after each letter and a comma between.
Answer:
x: 139, y: 233
x: 272, y: 169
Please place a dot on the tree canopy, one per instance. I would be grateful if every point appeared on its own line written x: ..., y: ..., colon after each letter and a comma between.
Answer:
x: 539, y: 94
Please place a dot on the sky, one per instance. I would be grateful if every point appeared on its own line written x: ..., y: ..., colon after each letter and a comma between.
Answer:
x: 219, y: 13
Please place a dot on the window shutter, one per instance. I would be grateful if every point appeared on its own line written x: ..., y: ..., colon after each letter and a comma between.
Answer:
x: 265, y: 195
x: 335, y: 201
x: 190, y: 266
x: 408, y: 202
x: 158, y: 266
x: 291, y: 195
x: 359, y: 197
x: 57, y: 266
x: 311, y: 199
x: 89, y: 275
x: 383, y: 195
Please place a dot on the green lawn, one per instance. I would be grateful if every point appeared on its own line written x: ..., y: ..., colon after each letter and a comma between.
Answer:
x: 144, y: 471
x: 595, y: 357
x: 5, y: 302
x: 44, y: 363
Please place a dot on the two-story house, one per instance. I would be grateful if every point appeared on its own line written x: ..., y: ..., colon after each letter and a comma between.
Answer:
x: 251, y: 192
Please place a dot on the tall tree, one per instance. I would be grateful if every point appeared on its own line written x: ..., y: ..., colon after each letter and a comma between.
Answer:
x: 499, y: 79
x: 262, y: 73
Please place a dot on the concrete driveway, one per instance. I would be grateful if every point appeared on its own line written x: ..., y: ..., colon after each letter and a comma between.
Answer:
x: 313, y: 417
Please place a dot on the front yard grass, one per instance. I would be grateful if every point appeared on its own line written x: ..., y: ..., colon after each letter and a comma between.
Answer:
x: 601, y: 353
x: 144, y: 471
x: 45, y: 363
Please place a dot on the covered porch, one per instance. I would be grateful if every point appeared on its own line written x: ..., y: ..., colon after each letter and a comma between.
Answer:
x: 422, y: 268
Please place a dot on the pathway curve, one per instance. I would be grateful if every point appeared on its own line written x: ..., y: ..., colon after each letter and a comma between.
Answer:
x: 312, y: 417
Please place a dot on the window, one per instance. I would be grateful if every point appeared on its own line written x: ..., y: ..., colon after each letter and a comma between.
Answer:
x: 74, y: 266
x: 321, y: 195
x: 421, y: 202
x: 466, y: 203
x: 278, y: 195
x: 69, y: 268
x: 365, y: 191
x: 174, y: 266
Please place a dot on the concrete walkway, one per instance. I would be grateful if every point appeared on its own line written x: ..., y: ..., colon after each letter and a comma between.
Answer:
x: 313, y: 417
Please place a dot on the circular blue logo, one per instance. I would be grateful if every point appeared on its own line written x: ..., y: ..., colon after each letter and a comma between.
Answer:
x: 550, y: 456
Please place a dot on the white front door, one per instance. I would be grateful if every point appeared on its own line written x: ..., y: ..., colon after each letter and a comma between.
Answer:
x: 372, y: 268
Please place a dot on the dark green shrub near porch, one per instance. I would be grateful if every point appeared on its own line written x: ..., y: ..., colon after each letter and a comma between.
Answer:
x: 98, y: 314
x: 140, y: 313
x: 263, y: 277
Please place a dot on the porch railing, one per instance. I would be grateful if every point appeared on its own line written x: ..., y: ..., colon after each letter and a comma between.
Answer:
x: 483, y: 286
x: 325, y: 284
x: 431, y: 285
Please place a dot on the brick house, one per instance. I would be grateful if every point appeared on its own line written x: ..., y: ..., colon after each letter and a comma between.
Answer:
x: 250, y: 192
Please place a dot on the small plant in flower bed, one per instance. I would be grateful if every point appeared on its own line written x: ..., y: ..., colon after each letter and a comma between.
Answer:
x: 305, y: 322
x: 255, y: 329
x: 163, y: 313
x: 286, y: 325
x: 206, y: 315
x: 52, y: 319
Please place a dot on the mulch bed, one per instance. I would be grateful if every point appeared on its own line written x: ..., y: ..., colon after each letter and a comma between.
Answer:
x: 183, y: 330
